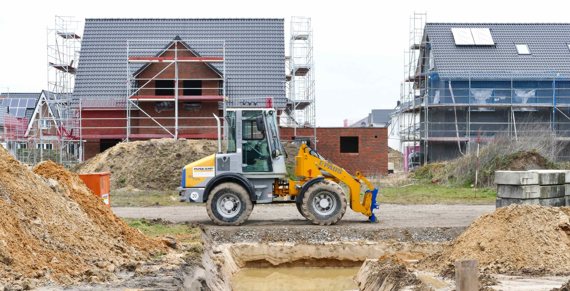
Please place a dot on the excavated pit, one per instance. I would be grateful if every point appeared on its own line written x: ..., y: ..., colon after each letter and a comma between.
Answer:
x: 237, y: 259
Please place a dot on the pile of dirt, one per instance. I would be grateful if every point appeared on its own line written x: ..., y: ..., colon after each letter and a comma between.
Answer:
x: 387, y: 273
x: 519, y: 239
x: 150, y: 165
x: 53, y: 229
x: 156, y: 164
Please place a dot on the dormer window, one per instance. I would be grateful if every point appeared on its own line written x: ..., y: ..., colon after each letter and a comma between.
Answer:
x: 522, y: 49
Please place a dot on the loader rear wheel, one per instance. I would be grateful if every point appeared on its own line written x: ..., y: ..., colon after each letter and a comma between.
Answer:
x: 324, y: 203
x: 229, y: 204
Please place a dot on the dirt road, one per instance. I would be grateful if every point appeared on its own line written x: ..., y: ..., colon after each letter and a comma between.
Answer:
x: 390, y: 215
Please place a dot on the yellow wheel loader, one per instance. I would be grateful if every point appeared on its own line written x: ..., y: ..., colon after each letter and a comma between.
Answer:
x: 251, y: 170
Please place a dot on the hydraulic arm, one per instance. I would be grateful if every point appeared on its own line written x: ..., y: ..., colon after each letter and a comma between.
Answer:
x: 310, y: 165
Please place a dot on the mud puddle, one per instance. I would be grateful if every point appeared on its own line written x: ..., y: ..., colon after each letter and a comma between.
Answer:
x: 295, y: 278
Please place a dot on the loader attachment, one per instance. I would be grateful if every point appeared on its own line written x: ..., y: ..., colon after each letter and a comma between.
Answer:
x: 370, y: 196
x: 310, y: 165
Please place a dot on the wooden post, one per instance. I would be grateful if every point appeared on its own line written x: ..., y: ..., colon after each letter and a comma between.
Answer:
x: 466, y: 275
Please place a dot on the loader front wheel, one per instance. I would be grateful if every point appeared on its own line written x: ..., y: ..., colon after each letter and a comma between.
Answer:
x: 324, y: 203
x: 229, y: 204
x: 300, y: 209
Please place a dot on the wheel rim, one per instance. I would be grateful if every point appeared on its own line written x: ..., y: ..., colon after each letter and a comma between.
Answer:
x: 324, y: 203
x: 228, y: 205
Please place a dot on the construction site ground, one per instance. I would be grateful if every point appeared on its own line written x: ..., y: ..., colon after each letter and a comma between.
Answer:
x: 266, y: 239
x: 424, y: 227
x: 389, y: 215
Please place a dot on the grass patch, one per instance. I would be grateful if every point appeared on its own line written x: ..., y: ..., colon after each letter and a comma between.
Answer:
x: 188, y: 238
x: 157, y: 227
x: 142, y: 198
x: 436, y: 194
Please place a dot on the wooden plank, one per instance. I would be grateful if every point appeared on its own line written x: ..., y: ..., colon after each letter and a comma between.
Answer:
x: 466, y: 275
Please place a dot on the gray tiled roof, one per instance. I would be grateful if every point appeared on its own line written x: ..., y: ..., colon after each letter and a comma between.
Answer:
x: 381, y: 115
x: 255, y: 53
x: 548, y: 44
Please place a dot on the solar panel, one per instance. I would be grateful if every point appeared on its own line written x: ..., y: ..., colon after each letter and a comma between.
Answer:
x: 462, y: 36
x: 482, y: 36
x: 19, y: 112
x: 472, y: 36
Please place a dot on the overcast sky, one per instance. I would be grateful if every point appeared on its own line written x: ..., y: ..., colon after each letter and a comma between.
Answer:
x: 358, y: 45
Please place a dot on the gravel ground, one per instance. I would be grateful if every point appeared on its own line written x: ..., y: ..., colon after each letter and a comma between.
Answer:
x: 389, y: 215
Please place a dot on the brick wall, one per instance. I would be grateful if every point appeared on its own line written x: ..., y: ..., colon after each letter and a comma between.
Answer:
x: 372, y: 156
x: 189, y: 121
x: 104, y: 122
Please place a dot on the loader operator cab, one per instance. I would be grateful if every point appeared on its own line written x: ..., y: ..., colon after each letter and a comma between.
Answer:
x: 259, y: 139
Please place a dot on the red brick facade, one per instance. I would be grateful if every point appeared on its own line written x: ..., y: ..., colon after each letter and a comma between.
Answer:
x: 372, y: 156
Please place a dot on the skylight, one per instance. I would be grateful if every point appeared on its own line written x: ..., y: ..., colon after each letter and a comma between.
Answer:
x: 522, y: 49
x: 472, y: 36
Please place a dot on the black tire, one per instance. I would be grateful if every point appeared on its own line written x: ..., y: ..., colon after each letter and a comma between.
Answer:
x: 332, y: 207
x: 300, y: 209
x: 230, y: 195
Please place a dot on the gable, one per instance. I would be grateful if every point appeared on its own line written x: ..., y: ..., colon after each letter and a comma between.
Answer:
x: 46, y: 111
x: 177, y: 49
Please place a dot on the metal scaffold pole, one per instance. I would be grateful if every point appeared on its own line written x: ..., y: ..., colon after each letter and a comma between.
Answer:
x: 176, y: 43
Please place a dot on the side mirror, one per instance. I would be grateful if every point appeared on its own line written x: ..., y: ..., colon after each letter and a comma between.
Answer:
x: 260, y: 124
x: 276, y: 153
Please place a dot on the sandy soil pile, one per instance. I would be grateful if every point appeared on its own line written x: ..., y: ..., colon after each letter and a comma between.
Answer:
x: 149, y: 165
x: 519, y: 239
x: 59, y: 231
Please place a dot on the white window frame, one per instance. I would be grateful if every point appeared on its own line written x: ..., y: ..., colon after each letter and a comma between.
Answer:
x: 45, y: 146
x: 45, y: 124
x: 522, y: 49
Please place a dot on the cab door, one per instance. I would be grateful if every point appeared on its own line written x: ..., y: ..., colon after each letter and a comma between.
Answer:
x: 255, y: 146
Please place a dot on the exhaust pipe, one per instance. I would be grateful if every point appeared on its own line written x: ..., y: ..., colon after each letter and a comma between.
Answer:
x: 219, y: 133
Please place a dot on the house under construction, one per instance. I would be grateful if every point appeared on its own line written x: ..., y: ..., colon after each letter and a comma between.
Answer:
x: 155, y: 78
x: 468, y: 83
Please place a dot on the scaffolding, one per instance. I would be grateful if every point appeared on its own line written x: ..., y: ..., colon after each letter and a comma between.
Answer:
x: 300, y: 77
x: 408, y: 121
x: 164, y: 89
x: 57, y: 107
